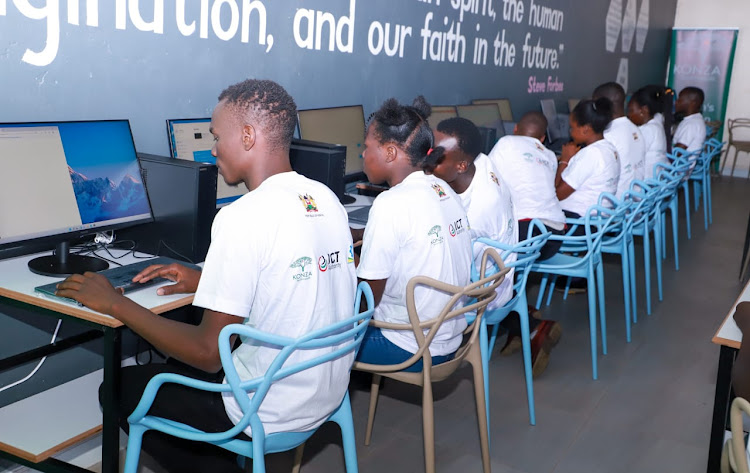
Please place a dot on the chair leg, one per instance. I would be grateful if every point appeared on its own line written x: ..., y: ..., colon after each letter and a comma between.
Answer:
x: 686, y: 190
x: 428, y: 426
x: 551, y: 290
x: 710, y: 201
x: 724, y: 162
x: 626, y: 289
x: 706, y: 178
x: 633, y: 286
x: 135, y: 438
x: 568, y: 281
x: 482, y: 403
x: 592, y: 321
x: 343, y: 417
x: 484, y: 354
x: 602, y: 307
x: 299, y: 451
x: 259, y: 451
x: 542, y: 287
x: 675, y: 240
x: 658, y: 261
x: 493, y: 339
x: 647, y: 269
x: 735, y: 160
x: 663, y: 229
x: 523, y: 315
x: 374, y: 389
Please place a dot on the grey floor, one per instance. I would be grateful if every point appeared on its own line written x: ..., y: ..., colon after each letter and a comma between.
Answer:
x: 649, y: 411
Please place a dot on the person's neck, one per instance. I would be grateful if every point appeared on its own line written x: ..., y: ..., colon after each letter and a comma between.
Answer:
x: 273, y: 163
x: 399, y: 174
x: 618, y: 114
x: 594, y: 138
x: 463, y: 181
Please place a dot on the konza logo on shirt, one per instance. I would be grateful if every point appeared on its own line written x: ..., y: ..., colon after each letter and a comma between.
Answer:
x: 456, y: 228
x: 301, y: 268
x: 439, y: 190
x: 494, y: 178
x: 329, y: 261
x: 435, y: 233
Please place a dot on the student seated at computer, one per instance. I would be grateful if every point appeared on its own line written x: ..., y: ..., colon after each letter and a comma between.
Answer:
x: 529, y: 170
x: 417, y: 227
x: 260, y: 270
x: 646, y: 110
x: 589, y: 165
x: 487, y: 200
x: 691, y: 132
x: 624, y: 136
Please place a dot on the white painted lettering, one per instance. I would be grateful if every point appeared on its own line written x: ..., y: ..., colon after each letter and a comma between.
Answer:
x: 51, y: 13
x: 182, y: 25
x: 234, y: 23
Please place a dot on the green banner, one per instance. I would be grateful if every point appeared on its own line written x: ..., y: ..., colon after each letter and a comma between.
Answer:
x: 703, y: 58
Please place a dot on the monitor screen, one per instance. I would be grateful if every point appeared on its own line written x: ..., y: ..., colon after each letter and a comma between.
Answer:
x: 549, y: 109
x: 190, y: 139
x: 485, y: 115
x: 572, y: 104
x: 338, y: 125
x: 440, y: 113
x: 63, y: 180
x: 503, y: 104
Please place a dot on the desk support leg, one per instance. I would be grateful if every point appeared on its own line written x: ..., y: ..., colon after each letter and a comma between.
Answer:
x: 110, y: 400
x: 721, y: 407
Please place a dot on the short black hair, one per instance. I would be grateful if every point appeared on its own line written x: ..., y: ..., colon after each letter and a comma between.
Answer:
x: 267, y: 105
x: 654, y: 98
x: 532, y: 124
x: 406, y: 126
x: 694, y: 94
x: 465, y: 132
x: 611, y: 90
x: 595, y: 113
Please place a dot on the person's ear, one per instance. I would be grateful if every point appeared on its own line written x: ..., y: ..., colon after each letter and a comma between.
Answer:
x: 248, y: 137
x: 390, y: 153
x: 462, y: 166
x: 543, y: 138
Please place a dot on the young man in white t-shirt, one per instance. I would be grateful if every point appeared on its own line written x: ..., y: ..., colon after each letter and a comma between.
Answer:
x: 529, y: 168
x: 278, y: 261
x: 691, y: 132
x: 487, y: 200
x: 624, y: 136
x: 417, y: 227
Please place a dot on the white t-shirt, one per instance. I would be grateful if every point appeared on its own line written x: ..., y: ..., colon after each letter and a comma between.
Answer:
x: 417, y: 228
x: 631, y: 151
x: 529, y: 169
x: 656, y: 143
x: 593, y: 170
x: 691, y: 132
x: 490, y: 210
x: 280, y: 260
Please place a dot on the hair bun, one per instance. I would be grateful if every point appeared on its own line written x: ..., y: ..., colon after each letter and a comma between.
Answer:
x: 423, y: 109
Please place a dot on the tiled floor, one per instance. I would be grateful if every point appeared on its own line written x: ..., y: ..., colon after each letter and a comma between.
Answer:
x: 649, y: 411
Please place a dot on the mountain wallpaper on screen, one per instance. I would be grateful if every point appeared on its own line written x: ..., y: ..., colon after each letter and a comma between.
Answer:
x: 101, y: 199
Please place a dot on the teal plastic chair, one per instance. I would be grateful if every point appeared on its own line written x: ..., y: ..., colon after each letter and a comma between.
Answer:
x: 701, y: 178
x: 587, y: 266
x: 526, y: 251
x: 342, y: 338
x: 672, y: 176
x: 679, y: 157
x: 647, y: 224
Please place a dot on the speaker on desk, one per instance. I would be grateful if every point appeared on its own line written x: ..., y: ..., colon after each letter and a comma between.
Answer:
x: 183, y: 201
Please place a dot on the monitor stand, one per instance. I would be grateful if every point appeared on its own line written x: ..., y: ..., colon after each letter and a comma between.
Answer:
x: 347, y: 199
x: 63, y: 263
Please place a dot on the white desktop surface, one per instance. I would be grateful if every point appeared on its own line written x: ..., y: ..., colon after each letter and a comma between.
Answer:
x: 729, y: 334
x: 18, y: 282
x: 360, y: 201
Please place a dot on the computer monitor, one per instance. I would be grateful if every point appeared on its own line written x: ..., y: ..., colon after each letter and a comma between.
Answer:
x: 503, y: 104
x: 65, y: 180
x: 554, y: 131
x: 190, y: 139
x: 572, y: 104
x: 322, y: 162
x: 440, y: 113
x: 485, y: 115
x: 338, y: 125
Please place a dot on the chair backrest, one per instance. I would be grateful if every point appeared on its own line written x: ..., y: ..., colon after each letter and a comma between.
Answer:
x: 478, y: 294
x: 335, y: 341
x: 527, y: 251
x: 737, y: 455
x: 739, y: 129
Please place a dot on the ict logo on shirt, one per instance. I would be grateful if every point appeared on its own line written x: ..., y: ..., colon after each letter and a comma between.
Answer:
x: 439, y: 190
x: 308, y: 202
x: 329, y: 261
x: 302, y: 263
x: 435, y: 233
x: 456, y: 228
x: 494, y: 178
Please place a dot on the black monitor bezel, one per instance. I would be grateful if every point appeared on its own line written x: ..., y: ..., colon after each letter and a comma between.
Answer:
x: 46, y: 243
x: 169, y: 130
x: 510, y: 104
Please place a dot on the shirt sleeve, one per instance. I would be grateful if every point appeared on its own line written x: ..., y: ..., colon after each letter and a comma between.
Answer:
x: 380, y: 243
x: 577, y: 171
x: 232, y: 268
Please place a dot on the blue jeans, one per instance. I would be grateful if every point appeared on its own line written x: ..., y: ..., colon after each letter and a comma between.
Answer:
x: 378, y: 350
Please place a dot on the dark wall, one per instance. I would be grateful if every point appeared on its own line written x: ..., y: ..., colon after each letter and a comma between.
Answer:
x: 99, y: 59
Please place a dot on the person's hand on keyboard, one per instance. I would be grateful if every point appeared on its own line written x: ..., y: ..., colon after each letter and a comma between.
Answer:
x: 186, y: 279
x: 92, y: 290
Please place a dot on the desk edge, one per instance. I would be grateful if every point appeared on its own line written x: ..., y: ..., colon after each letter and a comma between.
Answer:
x: 51, y: 451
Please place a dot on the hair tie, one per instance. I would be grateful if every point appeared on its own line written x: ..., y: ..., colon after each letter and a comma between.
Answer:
x: 429, y: 151
x: 593, y: 105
